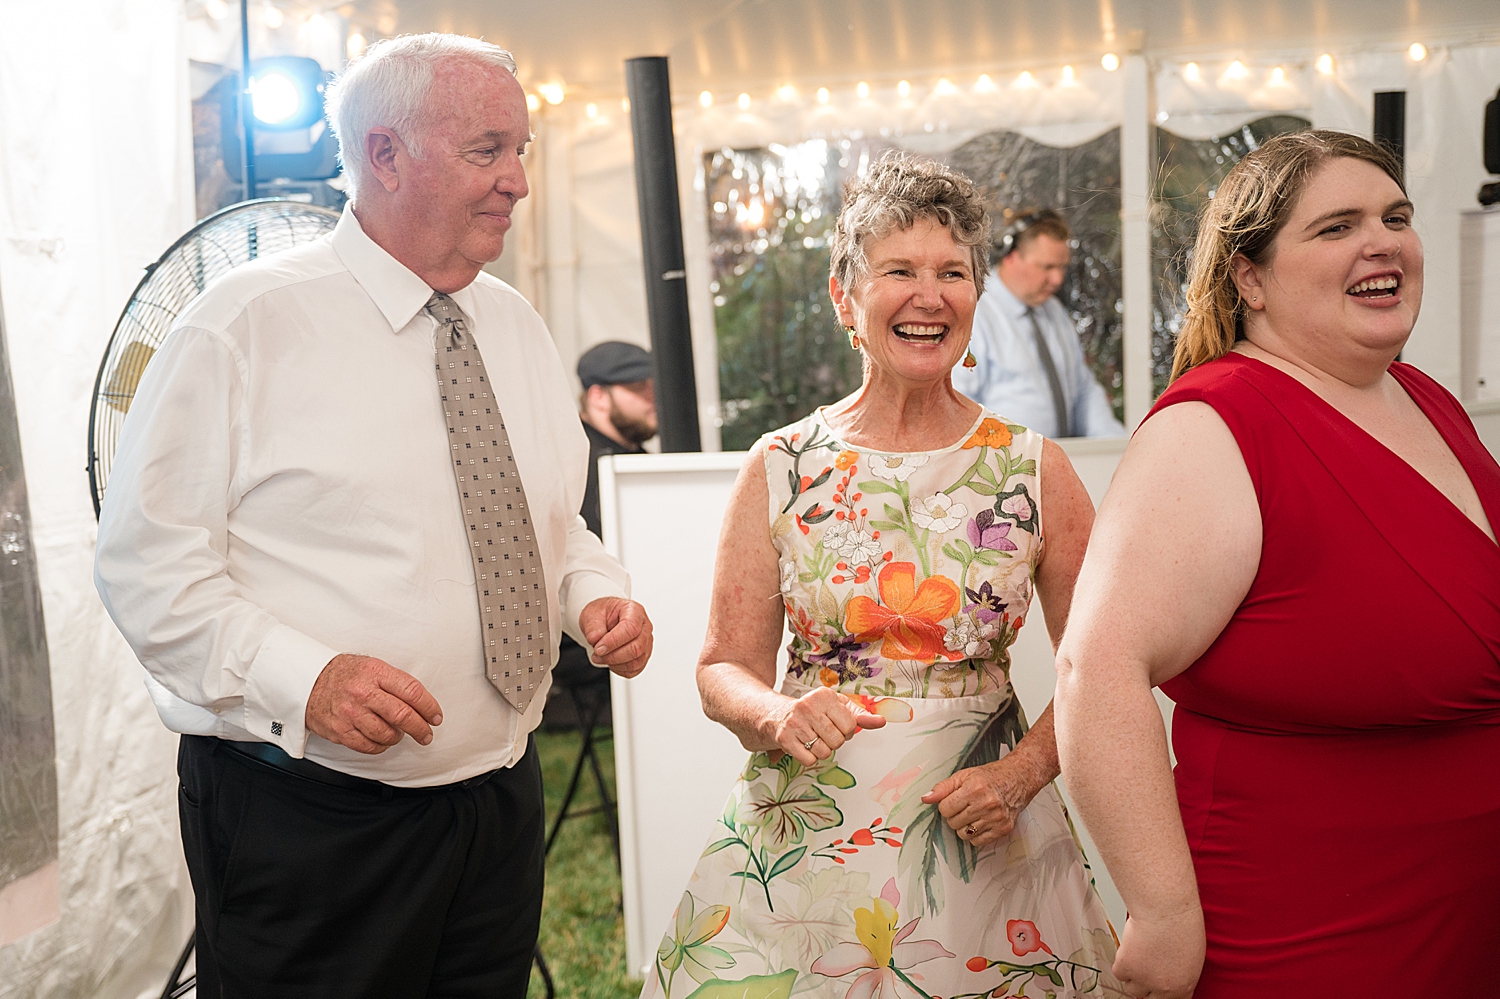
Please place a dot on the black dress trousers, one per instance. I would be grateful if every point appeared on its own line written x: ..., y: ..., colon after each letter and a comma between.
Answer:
x: 310, y: 890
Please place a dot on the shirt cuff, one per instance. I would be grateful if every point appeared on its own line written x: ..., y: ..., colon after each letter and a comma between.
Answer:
x: 583, y: 590
x: 276, y: 690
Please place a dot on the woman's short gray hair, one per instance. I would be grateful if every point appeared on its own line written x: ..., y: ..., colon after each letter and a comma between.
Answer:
x: 898, y: 190
x: 388, y: 88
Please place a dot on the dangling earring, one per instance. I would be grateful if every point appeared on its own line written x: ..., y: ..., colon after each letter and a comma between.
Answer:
x: 969, y: 361
x: 853, y: 337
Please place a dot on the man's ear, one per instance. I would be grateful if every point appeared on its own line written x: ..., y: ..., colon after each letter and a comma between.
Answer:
x: 382, y: 149
x: 1249, y: 280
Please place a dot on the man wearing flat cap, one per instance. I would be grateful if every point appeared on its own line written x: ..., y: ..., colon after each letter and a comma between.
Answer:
x: 342, y: 537
x: 618, y: 409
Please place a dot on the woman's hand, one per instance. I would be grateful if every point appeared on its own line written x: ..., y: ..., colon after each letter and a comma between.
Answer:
x: 813, y: 726
x: 981, y: 804
x: 1161, y: 959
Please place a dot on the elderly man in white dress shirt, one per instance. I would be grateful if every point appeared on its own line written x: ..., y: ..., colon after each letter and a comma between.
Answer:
x: 1029, y: 366
x: 345, y: 598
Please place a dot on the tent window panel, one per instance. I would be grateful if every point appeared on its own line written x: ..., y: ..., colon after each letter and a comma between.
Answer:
x: 782, y: 351
x: 1188, y: 173
x: 28, y: 767
x: 1082, y: 183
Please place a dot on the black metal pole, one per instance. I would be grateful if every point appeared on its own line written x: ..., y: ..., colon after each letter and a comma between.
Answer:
x: 1390, y: 128
x: 1390, y: 123
x: 247, y: 105
x: 661, y: 242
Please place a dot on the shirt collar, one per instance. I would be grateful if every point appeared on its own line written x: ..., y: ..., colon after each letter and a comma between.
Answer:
x: 1006, y: 299
x: 397, y: 292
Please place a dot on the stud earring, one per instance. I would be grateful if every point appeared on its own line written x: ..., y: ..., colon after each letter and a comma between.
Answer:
x: 969, y: 361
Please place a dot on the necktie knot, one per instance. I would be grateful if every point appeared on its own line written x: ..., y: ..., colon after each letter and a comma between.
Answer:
x: 447, y: 313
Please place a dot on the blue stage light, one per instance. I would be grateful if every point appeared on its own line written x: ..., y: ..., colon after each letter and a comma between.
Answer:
x: 287, y: 92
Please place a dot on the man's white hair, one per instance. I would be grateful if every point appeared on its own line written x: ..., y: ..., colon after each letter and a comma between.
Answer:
x: 388, y: 88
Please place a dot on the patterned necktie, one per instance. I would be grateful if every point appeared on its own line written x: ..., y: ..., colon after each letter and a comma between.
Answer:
x: 507, y: 564
x: 1059, y: 399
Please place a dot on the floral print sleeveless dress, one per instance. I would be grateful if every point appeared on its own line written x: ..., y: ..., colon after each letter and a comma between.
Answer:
x: 906, y: 578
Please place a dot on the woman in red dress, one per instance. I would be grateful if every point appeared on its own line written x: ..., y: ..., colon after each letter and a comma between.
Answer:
x: 1299, y: 548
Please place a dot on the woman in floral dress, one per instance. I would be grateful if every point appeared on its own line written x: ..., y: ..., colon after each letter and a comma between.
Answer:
x: 895, y: 831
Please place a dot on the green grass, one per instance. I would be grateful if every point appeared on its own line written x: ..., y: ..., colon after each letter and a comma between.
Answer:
x: 583, y: 931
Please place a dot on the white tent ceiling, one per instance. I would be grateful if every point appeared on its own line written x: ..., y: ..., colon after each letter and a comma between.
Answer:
x: 744, y: 43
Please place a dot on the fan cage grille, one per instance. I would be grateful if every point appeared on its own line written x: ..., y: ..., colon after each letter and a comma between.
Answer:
x: 212, y: 248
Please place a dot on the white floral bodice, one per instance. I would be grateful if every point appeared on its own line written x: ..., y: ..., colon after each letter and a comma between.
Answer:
x: 905, y: 575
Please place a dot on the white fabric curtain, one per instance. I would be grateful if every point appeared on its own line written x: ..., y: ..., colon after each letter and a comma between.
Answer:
x: 96, y: 180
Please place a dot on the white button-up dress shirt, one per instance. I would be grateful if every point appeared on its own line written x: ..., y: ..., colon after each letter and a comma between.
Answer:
x: 1009, y: 378
x: 282, y: 494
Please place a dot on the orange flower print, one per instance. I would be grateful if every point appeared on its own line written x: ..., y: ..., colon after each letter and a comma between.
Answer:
x: 803, y: 624
x: 908, y: 617
x: 1024, y: 938
x: 845, y: 459
x: 991, y: 433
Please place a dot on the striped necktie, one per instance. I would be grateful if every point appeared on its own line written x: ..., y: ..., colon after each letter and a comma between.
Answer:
x: 1059, y: 398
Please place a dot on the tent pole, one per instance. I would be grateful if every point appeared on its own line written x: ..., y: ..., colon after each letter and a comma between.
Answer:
x: 661, y: 242
x: 1136, y: 167
x: 247, y: 105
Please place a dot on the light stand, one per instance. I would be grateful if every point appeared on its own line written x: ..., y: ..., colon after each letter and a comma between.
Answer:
x: 247, y: 105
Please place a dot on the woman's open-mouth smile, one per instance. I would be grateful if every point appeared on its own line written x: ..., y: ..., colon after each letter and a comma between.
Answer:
x: 920, y: 332
x: 1379, y: 289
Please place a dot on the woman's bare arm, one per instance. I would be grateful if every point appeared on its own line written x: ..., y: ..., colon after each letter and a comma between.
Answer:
x: 1173, y: 553
x: 738, y: 664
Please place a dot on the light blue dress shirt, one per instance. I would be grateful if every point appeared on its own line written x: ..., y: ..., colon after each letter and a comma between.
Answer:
x: 1010, y: 379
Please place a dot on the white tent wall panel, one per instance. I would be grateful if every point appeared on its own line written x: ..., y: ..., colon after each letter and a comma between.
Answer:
x: 95, y: 181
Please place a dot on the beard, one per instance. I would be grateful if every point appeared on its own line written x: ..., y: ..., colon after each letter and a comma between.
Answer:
x: 636, y: 430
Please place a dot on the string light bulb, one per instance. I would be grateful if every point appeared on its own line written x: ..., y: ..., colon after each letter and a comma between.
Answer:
x: 1068, y: 76
x: 354, y: 46
x: 787, y: 92
x: 216, y: 9
x: 1236, y: 71
x: 822, y: 95
x: 552, y: 93
x: 1418, y: 52
x: 1325, y: 64
x: 533, y: 102
x: 706, y: 99
x: 984, y: 84
x: 273, y: 18
x: 1278, y: 77
x: 945, y: 87
x: 1110, y: 62
x: 592, y: 110
x: 1025, y: 81
x: 744, y: 102
x: 903, y: 89
x: 863, y: 90
x: 1191, y: 73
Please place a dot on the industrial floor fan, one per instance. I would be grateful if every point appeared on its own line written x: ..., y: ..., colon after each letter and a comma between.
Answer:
x: 212, y: 248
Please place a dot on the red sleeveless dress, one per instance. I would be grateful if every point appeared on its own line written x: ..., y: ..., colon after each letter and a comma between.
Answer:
x: 1338, y: 745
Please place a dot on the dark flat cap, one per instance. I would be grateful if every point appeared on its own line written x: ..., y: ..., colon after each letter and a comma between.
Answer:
x: 614, y: 363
